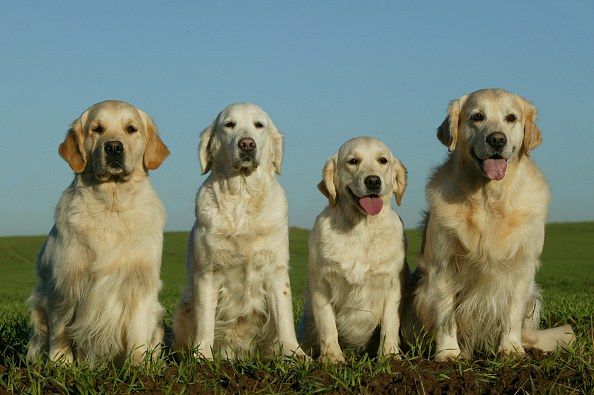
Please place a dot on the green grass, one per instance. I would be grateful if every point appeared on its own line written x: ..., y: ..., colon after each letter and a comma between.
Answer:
x: 566, y: 278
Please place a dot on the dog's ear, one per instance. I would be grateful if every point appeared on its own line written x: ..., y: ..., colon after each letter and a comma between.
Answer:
x: 277, y: 148
x: 399, y: 179
x: 532, y: 134
x: 327, y: 186
x: 205, y: 148
x: 447, y: 132
x: 72, y: 148
x: 155, y: 151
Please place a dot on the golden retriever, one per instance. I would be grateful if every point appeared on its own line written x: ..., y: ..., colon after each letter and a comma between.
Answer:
x: 484, y: 232
x: 238, y: 299
x: 98, y: 271
x: 357, y: 254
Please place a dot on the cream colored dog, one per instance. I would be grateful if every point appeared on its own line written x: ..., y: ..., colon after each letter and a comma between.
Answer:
x: 485, y: 232
x: 356, y: 255
x: 99, y: 268
x: 238, y: 300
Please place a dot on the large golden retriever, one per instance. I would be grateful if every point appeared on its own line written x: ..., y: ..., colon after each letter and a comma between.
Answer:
x: 485, y: 231
x: 238, y: 299
x: 356, y: 255
x: 98, y: 271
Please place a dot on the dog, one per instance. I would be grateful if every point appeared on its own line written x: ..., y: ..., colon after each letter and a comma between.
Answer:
x: 357, y: 254
x: 98, y: 271
x: 474, y: 288
x: 238, y: 299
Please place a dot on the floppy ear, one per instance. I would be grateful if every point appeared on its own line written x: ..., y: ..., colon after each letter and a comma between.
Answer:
x: 277, y: 149
x: 72, y: 148
x: 447, y: 132
x: 532, y: 134
x: 399, y: 179
x: 205, y: 149
x: 326, y: 186
x: 155, y: 151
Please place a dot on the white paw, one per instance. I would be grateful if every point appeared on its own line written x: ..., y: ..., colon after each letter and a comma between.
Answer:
x: 447, y: 355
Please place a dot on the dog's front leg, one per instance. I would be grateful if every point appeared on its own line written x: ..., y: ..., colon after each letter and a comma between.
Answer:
x: 60, y: 343
x: 145, y: 335
x: 205, y: 307
x: 446, y: 329
x: 325, y: 320
x: 511, y: 338
x: 282, y: 311
x: 390, y: 321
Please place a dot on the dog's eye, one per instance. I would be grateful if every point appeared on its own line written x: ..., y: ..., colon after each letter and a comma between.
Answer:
x: 383, y: 160
x: 97, y: 129
x: 511, y: 118
x: 353, y: 161
x: 477, y: 117
x: 258, y: 125
x: 130, y: 129
x: 229, y: 124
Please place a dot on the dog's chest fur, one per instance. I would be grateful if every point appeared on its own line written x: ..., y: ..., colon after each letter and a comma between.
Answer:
x: 366, y: 250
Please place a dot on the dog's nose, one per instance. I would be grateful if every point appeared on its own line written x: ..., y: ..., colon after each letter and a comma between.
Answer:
x: 114, y: 148
x: 373, y: 183
x: 497, y: 140
x: 247, y: 144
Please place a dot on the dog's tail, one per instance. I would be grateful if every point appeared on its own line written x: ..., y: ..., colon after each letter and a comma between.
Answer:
x: 551, y: 339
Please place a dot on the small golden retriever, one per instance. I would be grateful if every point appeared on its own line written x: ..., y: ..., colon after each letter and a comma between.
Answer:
x: 484, y: 232
x: 238, y: 299
x: 357, y: 254
x: 98, y: 271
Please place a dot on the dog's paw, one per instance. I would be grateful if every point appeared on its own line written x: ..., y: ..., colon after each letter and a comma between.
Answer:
x: 511, y: 348
x: 391, y: 351
x: 203, y: 353
x: 332, y: 357
x: 448, y: 355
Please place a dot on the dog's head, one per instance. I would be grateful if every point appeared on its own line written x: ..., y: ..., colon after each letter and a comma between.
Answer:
x: 362, y: 175
x: 490, y: 128
x: 240, y: 139
x: 113, y: 140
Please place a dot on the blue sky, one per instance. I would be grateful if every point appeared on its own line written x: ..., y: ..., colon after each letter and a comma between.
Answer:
x: 325, y: 71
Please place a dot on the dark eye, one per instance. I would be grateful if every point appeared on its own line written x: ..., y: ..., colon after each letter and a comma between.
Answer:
x: 258, y: 125
x: 97, y: 129
x: 478, y: 117
x: 131, y: 129
x: 511, y: 118
x: 383, y: 160
x: 229, y: 124
x: 353, y: 161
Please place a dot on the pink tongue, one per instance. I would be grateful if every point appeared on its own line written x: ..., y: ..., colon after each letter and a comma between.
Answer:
x: 495, y: 168
x: 371, y: 205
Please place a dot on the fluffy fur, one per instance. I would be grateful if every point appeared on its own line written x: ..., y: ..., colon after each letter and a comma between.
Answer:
x: 483, y: 237
x: 356, y: 260
x: 98, y: 271
x: 238, y: 299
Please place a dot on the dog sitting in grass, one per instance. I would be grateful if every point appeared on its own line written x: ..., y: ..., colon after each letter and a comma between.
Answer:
x: 357, y: 254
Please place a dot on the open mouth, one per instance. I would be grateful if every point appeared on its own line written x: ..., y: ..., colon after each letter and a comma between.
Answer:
x: 370, y: 204
x: 494, y: 166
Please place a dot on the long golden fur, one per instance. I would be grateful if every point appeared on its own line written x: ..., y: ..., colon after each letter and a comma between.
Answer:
x: 356, y: 255
x: 485, y: 231
x: 98, y: 271
x: 238, y: 299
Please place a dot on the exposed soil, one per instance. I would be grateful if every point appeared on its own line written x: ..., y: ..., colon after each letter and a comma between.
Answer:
x: 408, y: 376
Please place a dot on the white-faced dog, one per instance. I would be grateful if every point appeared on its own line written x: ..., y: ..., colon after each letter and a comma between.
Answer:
x: 356, y: 255
x: 99, y: 269
x: 238, y: 300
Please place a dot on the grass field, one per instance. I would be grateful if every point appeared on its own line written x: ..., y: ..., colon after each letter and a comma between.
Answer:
x: 566, y: 277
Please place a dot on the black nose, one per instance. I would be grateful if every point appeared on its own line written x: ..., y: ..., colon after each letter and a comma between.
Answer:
x: 247, y: 144
x: 497, y: 140
x: 114, y: 148
x: 373, y: 183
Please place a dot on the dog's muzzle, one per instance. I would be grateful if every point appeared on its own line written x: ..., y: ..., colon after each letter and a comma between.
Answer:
x: 114, y: 154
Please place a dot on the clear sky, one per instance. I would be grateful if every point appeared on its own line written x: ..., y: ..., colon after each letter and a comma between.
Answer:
x: 324, y: 70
